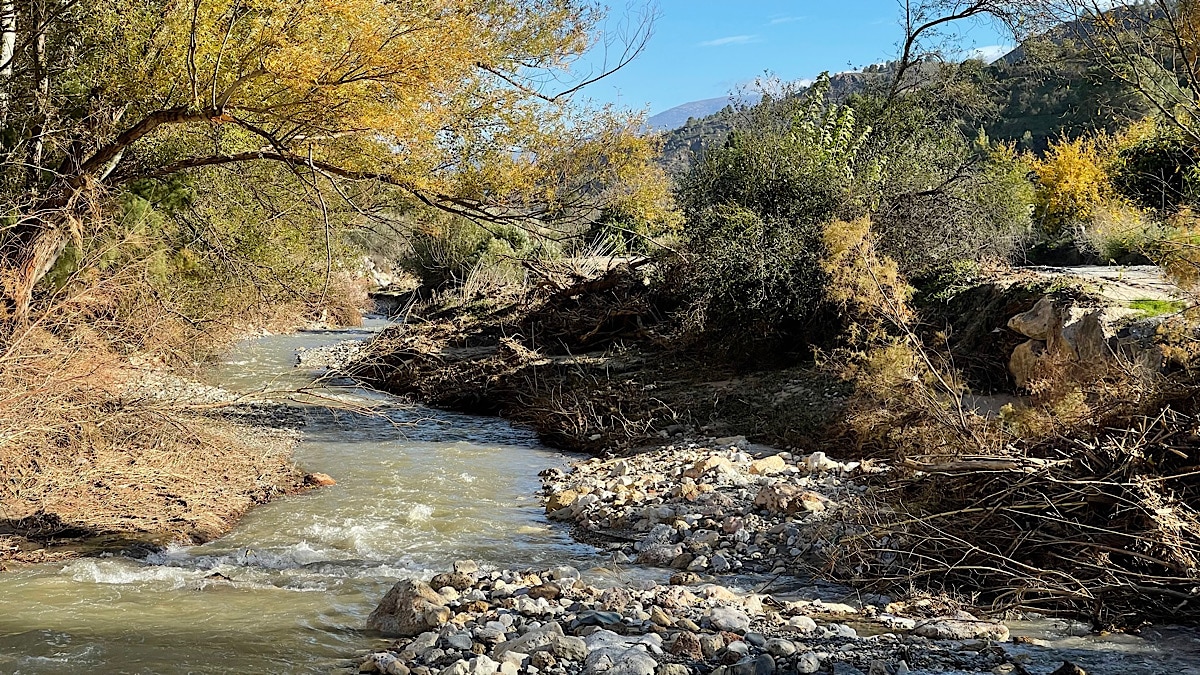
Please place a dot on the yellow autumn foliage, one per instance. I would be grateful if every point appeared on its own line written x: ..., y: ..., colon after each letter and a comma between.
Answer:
x: 1072, y: 182
x: 448, y: 99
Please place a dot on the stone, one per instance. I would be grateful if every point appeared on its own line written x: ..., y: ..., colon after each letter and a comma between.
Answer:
x: 320, y: 480
x: 756, y: 639
x: 673, y: 669
x: 461, y: 641
x: 710, y: 645
x: 466, y: 567
x: 563, y: 572
x: 530, y: 642
x: 961, y: 629
x: 845, y: 669
x: 595, y: 617
x: 768, y: 466
x: 878, y: 667
x: 807, y: 663
x: 1068, y: 668
x: 542, y: 660
x: 802, y: 623
x: 713, y: 463
x: 1025, y: 362
x: 687, y: 645
x: 566, y: 647
x: 547, y: 591
x: 718, y: 564
x: 1038, y: 323
x: 763, y: 664
x: 410, y: 608
x: 729, y: 619
x: 456, y: 580
x: 660, y: 617
x: 785, y: 498
x: 778, y: 647
x: 685, y: 579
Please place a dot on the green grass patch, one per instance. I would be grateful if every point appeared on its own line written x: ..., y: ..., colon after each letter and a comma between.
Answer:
x: 1149, y: 308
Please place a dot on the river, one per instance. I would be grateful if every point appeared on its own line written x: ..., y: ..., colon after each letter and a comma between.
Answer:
x: 289, y: 589
x: 417, y: 489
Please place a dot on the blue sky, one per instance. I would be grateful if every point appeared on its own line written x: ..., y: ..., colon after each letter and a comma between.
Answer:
x: 705, y: 48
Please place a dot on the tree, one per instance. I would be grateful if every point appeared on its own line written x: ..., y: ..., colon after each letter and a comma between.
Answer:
x: 447, y: 101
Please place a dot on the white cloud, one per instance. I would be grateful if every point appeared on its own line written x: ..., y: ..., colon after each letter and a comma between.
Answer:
x: 775, y: 21
x: 989, y: 53
x: 730, y: 40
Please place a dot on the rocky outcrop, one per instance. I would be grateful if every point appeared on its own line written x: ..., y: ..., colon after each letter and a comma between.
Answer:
x: 1067, y: 339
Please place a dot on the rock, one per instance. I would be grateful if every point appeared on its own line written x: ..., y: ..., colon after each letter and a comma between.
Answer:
x: 779, y: 647
x: 529, y: 642
x: 566, y: 647
x: 461, y: 641
x: 729, y: 619
x: 687, y: 645
x: 546, y: 591
x: 803, y: 624
x: 561, y: 500
x: 768, y: 465
x: 718, y: 564
x: 764, y: 664
x: 661, y: 618
x: 711, y: 644
x: 409, y: 608
x: 807, y: 663
x: 713, y: 463
x: 612, y: 661
x: 563, y: 572
x: 685, y: 579
x: 542, y: 660
x: 785, y: 498
x: 1025, y: 362
x: 319, y: 480
x: 845, y: 669
x: 673, y: 669
x: 961, y: 629
x: 1038, y: 323
x: 1068, y: 668
x: 466, y: 567
x: 456, y: 580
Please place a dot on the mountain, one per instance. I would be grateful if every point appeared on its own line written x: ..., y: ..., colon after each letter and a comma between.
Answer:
x: 679, y: 115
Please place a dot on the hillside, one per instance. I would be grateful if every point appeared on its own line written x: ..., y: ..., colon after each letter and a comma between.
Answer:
x: 1039, y: 91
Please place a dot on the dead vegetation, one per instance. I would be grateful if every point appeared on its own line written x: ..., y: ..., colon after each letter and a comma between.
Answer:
x: 93, y: 451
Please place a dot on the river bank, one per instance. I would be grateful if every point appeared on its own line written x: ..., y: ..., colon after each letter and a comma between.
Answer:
x: 158, y: 459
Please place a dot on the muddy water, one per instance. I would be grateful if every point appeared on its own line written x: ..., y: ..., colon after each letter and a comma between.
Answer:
x: 417, y: 489
x: 290, y: 588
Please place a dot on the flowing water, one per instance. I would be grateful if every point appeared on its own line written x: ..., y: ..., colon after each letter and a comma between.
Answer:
x: 417, y: 489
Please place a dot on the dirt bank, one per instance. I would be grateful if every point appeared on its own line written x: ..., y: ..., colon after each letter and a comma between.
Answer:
x: 124, y: 457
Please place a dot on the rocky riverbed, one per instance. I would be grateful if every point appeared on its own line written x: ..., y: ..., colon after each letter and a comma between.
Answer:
x: 551, y: 621
x: 715, y: 513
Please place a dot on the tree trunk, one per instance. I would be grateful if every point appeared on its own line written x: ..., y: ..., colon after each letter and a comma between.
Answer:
x: 8, y: 54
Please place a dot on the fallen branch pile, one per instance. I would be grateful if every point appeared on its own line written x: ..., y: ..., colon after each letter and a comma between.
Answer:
x: 1106, y: 528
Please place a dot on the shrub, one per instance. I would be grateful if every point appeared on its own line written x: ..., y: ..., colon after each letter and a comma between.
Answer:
x: 755, y: 210
x: 445, y: 250
x: 1072, y: 181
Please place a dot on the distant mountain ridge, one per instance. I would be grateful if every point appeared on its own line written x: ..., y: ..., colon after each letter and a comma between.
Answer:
x: 679, y: 115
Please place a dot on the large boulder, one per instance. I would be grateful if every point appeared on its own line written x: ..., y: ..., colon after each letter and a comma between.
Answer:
x: 410, y: 608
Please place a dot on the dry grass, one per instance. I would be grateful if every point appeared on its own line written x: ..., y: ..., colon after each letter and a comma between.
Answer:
x: 78, y: 457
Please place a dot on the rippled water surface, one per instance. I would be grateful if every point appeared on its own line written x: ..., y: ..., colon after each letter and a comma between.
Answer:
x: 417, y: 489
